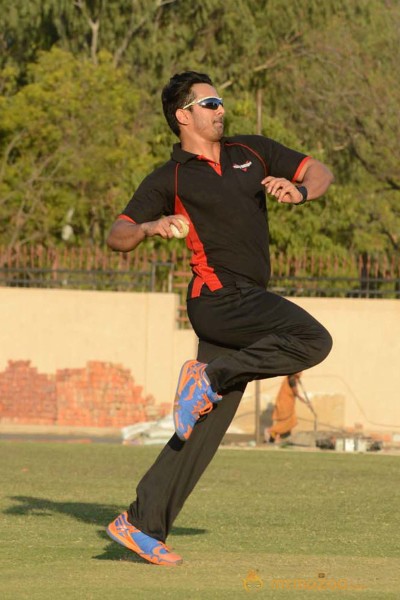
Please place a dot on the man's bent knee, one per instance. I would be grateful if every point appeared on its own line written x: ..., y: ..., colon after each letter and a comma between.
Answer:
x: 321, y: 347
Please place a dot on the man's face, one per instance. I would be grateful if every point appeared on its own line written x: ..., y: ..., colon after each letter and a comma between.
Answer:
x: 204, y: 122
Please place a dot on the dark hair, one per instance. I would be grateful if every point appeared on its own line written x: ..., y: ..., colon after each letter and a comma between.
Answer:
x: 178, y: 92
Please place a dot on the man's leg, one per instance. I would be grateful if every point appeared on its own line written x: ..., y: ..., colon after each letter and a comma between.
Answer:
x: 268, y: 335
x: 164, y: 488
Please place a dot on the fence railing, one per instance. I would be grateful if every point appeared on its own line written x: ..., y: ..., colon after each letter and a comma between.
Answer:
x: 168, y: 270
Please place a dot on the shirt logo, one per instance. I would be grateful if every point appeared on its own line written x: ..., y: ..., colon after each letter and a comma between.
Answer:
x: 244, y: 166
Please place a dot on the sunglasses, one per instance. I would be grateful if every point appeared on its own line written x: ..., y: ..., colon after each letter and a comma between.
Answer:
x: 210, y: 102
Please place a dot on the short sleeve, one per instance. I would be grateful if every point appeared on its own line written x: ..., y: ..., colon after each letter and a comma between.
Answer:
x: 154, y: 197
x: 285, y: 162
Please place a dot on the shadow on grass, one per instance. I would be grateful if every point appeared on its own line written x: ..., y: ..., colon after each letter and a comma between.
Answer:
x: 96, y: 514
x: 87, y: 512
x: 114, y: 551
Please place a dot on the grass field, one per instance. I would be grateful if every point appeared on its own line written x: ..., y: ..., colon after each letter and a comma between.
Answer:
x: 272, y: 518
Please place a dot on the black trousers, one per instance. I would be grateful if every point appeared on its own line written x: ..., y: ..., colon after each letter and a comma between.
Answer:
x: 245, y: 333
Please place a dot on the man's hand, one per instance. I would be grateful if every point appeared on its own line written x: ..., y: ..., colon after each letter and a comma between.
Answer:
x: 126, y: 235
x: 283, y: 190
x: 162, y: 227
x: 313, y: 175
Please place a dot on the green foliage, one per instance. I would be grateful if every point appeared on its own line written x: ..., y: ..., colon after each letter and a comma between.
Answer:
x: 286, y: 514
x: 81, y: 121
x: 71, y: 153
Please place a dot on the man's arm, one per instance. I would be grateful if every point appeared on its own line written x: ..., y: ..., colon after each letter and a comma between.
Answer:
x: 126, y: 235
x: 314, y: 176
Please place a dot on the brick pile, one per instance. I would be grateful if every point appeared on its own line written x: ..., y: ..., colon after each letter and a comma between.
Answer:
x: 27, y: 396
x: 99, y: 395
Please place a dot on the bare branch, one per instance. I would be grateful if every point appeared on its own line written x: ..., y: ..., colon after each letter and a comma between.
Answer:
x: 135, y: 27
x: 8, y: 151
x: 272, y: 61
x: 392, y: 238
x: 94, y: 26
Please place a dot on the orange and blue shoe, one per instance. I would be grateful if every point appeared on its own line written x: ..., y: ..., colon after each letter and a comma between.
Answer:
x: 148, y: 548
x: 194, y: 397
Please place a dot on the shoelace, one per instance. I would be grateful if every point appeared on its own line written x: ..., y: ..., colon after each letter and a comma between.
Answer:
x: 208, y: 408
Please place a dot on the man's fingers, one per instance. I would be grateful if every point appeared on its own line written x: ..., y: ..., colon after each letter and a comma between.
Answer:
x: 282, y: 189
x: 275, y: 184
x: 279, y: 189
x: 162, y: 227
x: 166, y: 222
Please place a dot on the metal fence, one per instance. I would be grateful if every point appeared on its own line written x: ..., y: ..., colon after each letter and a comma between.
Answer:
x: 168, y: 270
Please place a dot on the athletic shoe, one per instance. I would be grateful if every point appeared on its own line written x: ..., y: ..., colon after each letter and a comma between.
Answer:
x: 121, y: 531
x: 194, y: 397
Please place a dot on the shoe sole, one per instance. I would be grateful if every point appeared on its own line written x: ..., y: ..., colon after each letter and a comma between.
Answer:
x: 183, y: 376
x: 183, y: 373
x: 130, y: 544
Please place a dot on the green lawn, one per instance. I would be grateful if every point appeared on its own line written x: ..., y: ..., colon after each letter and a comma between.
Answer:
x: 285, y: 515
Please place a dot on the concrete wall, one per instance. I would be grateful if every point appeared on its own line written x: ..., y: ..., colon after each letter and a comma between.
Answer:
x: 58, y: 329
x: 359, y: 381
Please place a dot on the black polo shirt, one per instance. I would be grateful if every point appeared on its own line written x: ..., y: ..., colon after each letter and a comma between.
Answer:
x: 224, y: 203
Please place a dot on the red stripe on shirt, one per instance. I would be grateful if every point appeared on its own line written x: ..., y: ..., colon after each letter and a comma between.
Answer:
x: 301, y: 165
x: 196, y: 288
x: 126, y: 218
x: 198, y: 263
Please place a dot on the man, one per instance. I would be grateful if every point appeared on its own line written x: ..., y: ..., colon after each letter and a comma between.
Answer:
x: 284, y: 414
x: 217, y: 185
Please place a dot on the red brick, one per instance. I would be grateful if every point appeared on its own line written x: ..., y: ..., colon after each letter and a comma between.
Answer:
x: 99, y: 395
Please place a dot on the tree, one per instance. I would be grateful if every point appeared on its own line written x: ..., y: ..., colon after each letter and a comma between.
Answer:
x: 325, y: 75
x: 70, y: 147
x: 349, y: 91
x: 82, y: 27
